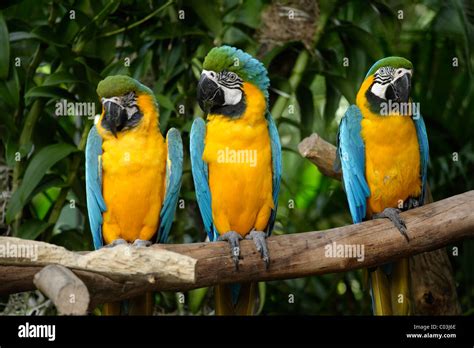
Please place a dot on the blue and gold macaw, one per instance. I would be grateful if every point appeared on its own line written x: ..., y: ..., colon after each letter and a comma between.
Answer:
x: 383, y: 152
x: 236, y: 162
x: 133, y: 176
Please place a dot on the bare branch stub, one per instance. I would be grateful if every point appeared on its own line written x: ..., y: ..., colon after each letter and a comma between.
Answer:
x: 64, y: 288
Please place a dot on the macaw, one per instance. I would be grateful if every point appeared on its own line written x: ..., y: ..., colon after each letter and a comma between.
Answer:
x: 383, y: 151
x: 133, y: 176
x: 236, y: 162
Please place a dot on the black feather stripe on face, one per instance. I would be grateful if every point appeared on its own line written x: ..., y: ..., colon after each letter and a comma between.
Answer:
x: 229, y: 79
x: 384, y: 75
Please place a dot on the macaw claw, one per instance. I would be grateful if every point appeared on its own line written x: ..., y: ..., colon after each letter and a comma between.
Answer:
x: 140, y: 243
x: 116, y: 242
x: 234, y: 241
x: 260, y: 240
x: 393, y: 215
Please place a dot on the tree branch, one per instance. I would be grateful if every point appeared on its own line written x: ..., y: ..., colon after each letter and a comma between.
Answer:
x: 124, y: 271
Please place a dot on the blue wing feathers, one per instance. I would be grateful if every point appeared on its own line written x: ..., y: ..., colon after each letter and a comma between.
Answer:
x: 276, y: 168
x: 351, y: 153
x: 174, y: 170
x: 95, y: 201
x: 201, y: 176
x: 424, y: 152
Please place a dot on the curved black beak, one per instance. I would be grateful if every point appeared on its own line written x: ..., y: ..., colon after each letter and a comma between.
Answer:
x: 209, y: 94
x: 399, y: 91
x: 115, y: 117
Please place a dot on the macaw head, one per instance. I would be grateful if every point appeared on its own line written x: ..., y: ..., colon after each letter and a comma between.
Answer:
x: 388, y: 80
x: 126, y: 104
x: 226, y: 71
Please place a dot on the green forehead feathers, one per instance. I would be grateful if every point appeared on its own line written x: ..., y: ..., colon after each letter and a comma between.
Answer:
x: 394, y: 62
x: 113, y: 86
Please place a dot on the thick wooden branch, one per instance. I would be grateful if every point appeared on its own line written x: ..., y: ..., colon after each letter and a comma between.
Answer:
x: 124, y: 271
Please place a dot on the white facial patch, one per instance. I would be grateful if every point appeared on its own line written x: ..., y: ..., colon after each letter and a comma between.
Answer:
x: 232, y: 96
x: 379, y: 90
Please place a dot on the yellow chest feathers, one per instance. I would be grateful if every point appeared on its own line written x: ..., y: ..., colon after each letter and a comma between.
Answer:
x: 392, y: 158
x: 238, y: 154
x: 133, y: 174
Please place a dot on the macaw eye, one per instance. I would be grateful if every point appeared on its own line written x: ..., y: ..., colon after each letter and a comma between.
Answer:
x: 232, y: 77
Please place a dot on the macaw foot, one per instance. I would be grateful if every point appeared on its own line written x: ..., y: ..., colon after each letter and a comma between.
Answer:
x: 393, y: 215
x: 140, y: 243
x: 116, y: 242
x: 260, y: 240
x: 234, y: 241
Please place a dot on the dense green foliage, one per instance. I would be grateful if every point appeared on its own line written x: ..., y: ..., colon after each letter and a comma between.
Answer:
x: 52, y: 50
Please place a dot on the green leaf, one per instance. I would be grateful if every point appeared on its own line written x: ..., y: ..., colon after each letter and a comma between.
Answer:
x: 343, y: 86
x: 46, y: 34
x: 362, y: 38
x: 164, y: 101
x: 91, y: 74
x: 21, y: 35
x: 60, y: 77
x: 209, y: 14
x: 31, y: 229
x: 49, y: 181
x: 70, y: 239
x: 11, y: 147
x: 10, y: 91
x: 333, y: 96
x: 4, y: 48
x: 37, y: 168
x: 87, y: 32
x: 262, y: 292
x: 196, y: 299
x: 49, y: 92
x: 249, y: 13
x: 141, y: 66
x: 42, y: 203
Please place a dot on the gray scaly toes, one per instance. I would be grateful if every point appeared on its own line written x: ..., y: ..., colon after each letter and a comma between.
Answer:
x: 140, y: 243
x: 393, y: 215
x: 116, y: 242
x: 234, y: 241
x: 260, y: 240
